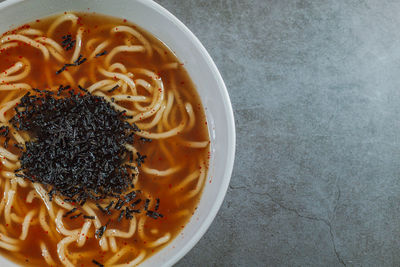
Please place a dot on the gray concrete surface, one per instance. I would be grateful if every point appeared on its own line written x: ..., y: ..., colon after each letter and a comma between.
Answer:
x: 315, y: 87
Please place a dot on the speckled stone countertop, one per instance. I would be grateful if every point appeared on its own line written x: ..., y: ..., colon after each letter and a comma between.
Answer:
x: 315, y: 88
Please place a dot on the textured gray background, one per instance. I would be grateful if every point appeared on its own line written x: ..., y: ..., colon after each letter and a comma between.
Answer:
x: 315, y: 87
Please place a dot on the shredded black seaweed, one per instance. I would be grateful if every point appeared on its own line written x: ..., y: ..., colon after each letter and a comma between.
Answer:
x: 140, y: 159
x: 69, y: 212
x: 19, y: 146
x: 77, y: 146
x: 121, y: 215
x: 154, y: 215
x: 76, y: 216
x: 113, y: 89
x: 157, y: 204
x: 97, y: 263
x: 101, y: 53
x: 6, y: 142
x: 146, y: 204
x: 144, y: 139
x: 136, y: 202
x: 67, y: 42
x: 78, y: 150
x: 77, y: 62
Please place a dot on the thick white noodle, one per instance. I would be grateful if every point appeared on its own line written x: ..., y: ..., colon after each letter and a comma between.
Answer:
x: 118, y: 255
x: 61, y: 247
x: 135, y: 261
x: 118, y: 66
x: 162, y: 240
x: 83, y: 233
x: 113, y: 244
x: 194, y: 144
x: 5, y: 153
x: 31, y: 32
x: 170, y: 101
x: 13, y: 69
x: 8, y: 246
x: 130, y: 98
x: 170, y: 66
x: 5, y: 194
x: 26, y: 223
x: 199, y: 185
x: 43, y: 195
x: 121, y: 76
x: 51, y: 43
x: 103, y: 241
x: 24, y: 39
x: 8, y: 46
x: 99, y: 85
x: 78, y: 44
x: 146, y: 85
x: 6, y: 107
x: 7, y: 208
x: 122, y: 48
x: 162, y: 135
x: 10, y: 165
x: 15, y: 86
x: 166, y: 172
x: 61, y: 19
x: 190, y: 112
x: 6, y: 77
x: 61, y: 228
x: 31, y: 195
x: 99, y: 49
x: 8, y: 239
x: 155, y: 121
x: 137, y: 35
x: 119, y: 233
x: 43, y: 220
x: 46, y: 254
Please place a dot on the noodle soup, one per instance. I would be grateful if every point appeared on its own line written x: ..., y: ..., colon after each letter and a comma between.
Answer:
x: 81, y: 61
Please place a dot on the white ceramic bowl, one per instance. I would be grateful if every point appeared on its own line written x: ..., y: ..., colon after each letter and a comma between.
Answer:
x: 210, y: 86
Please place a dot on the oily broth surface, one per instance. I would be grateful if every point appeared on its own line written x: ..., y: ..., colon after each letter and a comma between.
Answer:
x: 161, y: 154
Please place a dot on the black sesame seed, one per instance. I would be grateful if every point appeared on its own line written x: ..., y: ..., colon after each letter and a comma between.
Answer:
x: 89, y: 217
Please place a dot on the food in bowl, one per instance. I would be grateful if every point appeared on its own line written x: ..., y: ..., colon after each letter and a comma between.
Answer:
x: 103, y: 140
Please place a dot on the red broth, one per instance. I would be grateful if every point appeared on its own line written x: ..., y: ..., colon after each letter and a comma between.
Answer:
x: 185, y: 155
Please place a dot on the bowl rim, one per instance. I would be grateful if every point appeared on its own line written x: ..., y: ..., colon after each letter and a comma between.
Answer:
x: 231, y: 138
x: 230, y: 156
